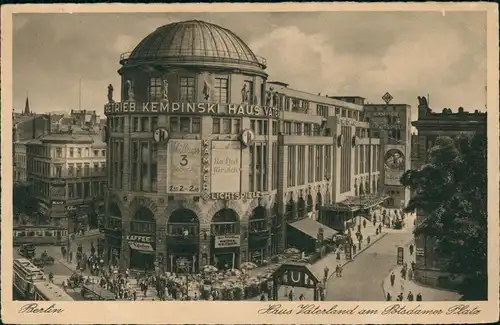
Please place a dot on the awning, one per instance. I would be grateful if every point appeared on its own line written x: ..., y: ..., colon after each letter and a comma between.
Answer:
x: 142, y: 247
x: 355, y: 203
x: 311, y: 227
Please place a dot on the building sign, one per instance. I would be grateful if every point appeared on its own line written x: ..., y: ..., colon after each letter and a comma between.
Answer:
x: 236, y: 196
x: 385, y: 120
x: 227, y: 241
x: 57, y: 202
x: 419, y: 252
x: 401, y: 255
x: 190, y: 108
x: 161, y: 135
x: 142, y: 239
x: 346, y: 121
x: 387, y: 98
x: 394, y: 164
x: 247, y: 137
x: 226, y: 167
x: 297, y: 278
x: 184, y: 166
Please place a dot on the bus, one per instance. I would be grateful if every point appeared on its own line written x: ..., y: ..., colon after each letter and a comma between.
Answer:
x: 40, y: 235
x: 25, y: 275
x: 47, y: 291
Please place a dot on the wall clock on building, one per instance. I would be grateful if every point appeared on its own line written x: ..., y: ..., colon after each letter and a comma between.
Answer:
x: 247, y: 137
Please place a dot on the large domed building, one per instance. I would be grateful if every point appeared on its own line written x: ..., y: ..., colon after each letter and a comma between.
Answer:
x: 210, y: 163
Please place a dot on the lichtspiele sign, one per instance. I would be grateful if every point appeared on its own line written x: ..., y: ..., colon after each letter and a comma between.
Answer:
x: 184, y: 166
x: 227, y: 241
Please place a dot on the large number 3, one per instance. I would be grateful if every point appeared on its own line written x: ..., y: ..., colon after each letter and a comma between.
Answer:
x: 184, y: 160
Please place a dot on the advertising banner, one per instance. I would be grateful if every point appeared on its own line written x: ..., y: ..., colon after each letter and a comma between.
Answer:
x: 227, y: 241
x: 394, y: 164
x: 226, y: 167
x: 184, y: 166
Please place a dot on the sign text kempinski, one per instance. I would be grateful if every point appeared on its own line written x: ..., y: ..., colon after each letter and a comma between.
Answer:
x: 189, y: 108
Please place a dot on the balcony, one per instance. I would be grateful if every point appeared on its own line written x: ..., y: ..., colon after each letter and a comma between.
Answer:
x: 182, y: 233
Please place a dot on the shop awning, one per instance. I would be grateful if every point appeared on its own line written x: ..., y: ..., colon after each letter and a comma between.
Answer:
x: 311, y: 227
x: 142, y: 247
x: 355, y: 203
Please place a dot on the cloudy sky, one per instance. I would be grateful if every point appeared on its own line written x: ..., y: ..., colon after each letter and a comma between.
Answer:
x: 334, y: 53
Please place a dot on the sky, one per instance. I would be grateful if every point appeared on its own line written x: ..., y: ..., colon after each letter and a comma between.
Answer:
x: 408, y: 54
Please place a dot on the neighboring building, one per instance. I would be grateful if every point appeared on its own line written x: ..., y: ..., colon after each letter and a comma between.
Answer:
x: 392, y: 124
x: 209, y: 163
x: 67, y: 170
x: 19, y: 174
x: 83, y: 117
x: 430, y: 125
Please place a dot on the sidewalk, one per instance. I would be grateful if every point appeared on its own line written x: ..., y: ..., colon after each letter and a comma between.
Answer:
x: 405, y: 286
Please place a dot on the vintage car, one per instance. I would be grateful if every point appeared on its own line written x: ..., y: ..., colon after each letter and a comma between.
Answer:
x: 27, y: 250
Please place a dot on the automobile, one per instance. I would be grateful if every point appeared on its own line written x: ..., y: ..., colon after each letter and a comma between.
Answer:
x: 27, y: 250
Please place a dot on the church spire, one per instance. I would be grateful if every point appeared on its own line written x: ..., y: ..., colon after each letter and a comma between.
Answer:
x: 27, y: 106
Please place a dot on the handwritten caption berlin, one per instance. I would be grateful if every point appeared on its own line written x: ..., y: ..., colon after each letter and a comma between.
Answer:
x: 393, y: 309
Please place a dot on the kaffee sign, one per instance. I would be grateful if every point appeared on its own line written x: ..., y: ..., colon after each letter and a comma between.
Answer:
x: 141, y: 239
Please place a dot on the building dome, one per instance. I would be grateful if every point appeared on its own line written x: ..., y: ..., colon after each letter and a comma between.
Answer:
x: 191, y: 42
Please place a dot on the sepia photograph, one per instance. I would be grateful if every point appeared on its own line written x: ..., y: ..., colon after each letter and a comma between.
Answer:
x: 304, y: 163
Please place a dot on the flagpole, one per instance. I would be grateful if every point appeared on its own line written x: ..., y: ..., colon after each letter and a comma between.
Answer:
x: 80, y: 95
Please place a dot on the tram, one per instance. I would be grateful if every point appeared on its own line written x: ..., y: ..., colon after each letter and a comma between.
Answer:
x: 40, y: 235
x: 26, y: 275
x: 46, y: 291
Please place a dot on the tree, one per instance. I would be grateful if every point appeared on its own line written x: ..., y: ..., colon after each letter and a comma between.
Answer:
x: 451, y: 191
x: 23, y: 199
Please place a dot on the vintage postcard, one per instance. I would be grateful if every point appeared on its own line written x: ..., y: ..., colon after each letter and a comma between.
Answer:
x: 250, y: 163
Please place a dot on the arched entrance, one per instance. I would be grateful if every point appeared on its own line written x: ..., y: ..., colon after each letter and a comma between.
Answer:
x: 183, y: 231
x: 258, y: 228
x: 226, y: 239
x: 301, y: 208
x: 113, y: 237
x: 319, y: 205
x: 309, y: 206
x: 276, y: 226
x: 142, y: 239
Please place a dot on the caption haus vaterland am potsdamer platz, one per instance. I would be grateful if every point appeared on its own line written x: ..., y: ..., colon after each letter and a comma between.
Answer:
x: 203, y: 171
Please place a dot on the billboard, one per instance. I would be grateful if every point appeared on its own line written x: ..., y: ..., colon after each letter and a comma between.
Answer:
x: 184, y: 166
x: 226, y: 167
x: 394, y: 164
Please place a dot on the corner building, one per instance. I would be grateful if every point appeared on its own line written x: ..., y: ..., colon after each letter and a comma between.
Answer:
x: 210, y: 163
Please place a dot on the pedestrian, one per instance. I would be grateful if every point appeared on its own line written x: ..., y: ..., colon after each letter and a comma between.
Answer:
x: 410, y: 296
x: 337, y: 271
x: 419, y: 297
x: 262, y: 297
x: 290, y: 295
x: 400, y: 297
x: 340, y: 270
x: 389, y: 297
x: 326, y: 270
x: 393, y: 279
x: 364, y: 223
x: 410, y: 274
x: 301, y: 297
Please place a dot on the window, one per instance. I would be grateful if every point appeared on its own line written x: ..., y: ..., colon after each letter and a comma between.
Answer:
x: 292, y: 160
x: 155, y: 85
x: 322, y: 110
x: 221, y: 90
x: 216, y: 125
x: 135, y: 124
x: 58, y: 152
x: 71, y: 170
x: 96, y: 153
x: 154, y: 123
x: 301, y: 168
x: 58, y: 169
x: 144, y: 124
x: 275, y: 165
x: 144, y: 166
x: 79, y: 152
x: 185, y: 124
x: 71, y: 153
x: 275, y: 127
x: 187, y: 91
x: 249, y: 94
x: 310, y: 168
x: 196, y: 124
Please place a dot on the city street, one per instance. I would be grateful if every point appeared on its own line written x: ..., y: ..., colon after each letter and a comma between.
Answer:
x: 362, y: 278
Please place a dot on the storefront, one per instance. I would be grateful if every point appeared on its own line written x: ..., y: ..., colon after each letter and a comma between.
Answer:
x: 183, y: 242
x: 258, y: 235
x: 226, y: 239
x: 142, y: 252
x: 226, y: 251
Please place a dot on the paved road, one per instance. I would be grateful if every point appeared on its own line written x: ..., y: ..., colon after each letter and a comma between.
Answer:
x: 362, y: 279
x: 55, y: 251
